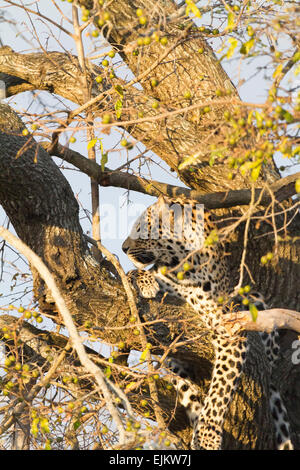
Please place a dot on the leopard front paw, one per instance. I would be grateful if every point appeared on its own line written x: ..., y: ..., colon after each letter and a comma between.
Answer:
x: 144, y: 283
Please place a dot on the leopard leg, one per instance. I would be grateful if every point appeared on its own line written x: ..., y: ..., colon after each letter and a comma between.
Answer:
x: 271, y: 346
x: 278, y: 410
x: 143, y: 282
x: 281, y: 422
x: 188, y: 392
x: 229, y: 360
x: 277, y: 407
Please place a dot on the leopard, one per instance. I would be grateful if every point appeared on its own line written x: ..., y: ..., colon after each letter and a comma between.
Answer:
x: 175, y: 248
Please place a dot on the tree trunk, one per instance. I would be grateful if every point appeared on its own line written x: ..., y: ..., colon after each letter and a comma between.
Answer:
x: 39, y: 202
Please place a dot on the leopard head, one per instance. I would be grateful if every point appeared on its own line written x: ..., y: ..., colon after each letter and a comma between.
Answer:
x: 171, y: 233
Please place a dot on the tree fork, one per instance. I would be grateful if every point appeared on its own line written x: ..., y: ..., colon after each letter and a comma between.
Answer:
x: 172, y: 138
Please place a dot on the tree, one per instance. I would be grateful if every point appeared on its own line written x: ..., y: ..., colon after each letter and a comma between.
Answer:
x: 188, y: 112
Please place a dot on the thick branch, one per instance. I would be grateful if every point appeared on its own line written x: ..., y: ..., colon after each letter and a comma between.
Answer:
x: 267, y: 320
x: 174, y: 137
x: 15, y: 85
x: 280, y: 190
x: 181, y: 69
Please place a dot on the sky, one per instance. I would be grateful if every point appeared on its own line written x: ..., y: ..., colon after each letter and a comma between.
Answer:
x: 116, y: 215
x: 115, y: 212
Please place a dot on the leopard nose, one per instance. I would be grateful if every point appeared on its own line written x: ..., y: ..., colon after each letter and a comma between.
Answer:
x: 125, y: 246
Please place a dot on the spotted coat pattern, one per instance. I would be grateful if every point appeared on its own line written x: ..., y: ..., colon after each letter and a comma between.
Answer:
x: 156, y: 239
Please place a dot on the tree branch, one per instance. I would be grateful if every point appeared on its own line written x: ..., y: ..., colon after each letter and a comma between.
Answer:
x: 174, y: 137
x: 281, y: 190
x: 267, y: 320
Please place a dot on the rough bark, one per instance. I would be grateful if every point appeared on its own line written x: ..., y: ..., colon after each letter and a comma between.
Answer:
x: 177, y: 70
x: 44, y: 212
x: 173, y: 138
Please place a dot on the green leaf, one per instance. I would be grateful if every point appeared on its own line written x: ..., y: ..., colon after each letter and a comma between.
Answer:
x: 233, y: 45
x: 119, y: 90
x: 250, y: 116
x: 253, y: 311
x: 230, y: 20
x: 104, y: 160
x: 295, y: 151
x: 119, y: 107
x: 76, y: 424
x: 288, y: 117
x: 259, y: 118
x: 144, y: 355
x: 92, y: 143
x: 278, y: 70
x: 34, y: 430
x: 245, y: 167
x: 148, y: 188
x: 101, y: 146
x: 193, y: 8
x: 255, y: 172
x: 212, y: 238
x: 296, y: 57
x: 247, y: 46
x: 44, y: 426
x: 188, y: 161
x: 107, y: 372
